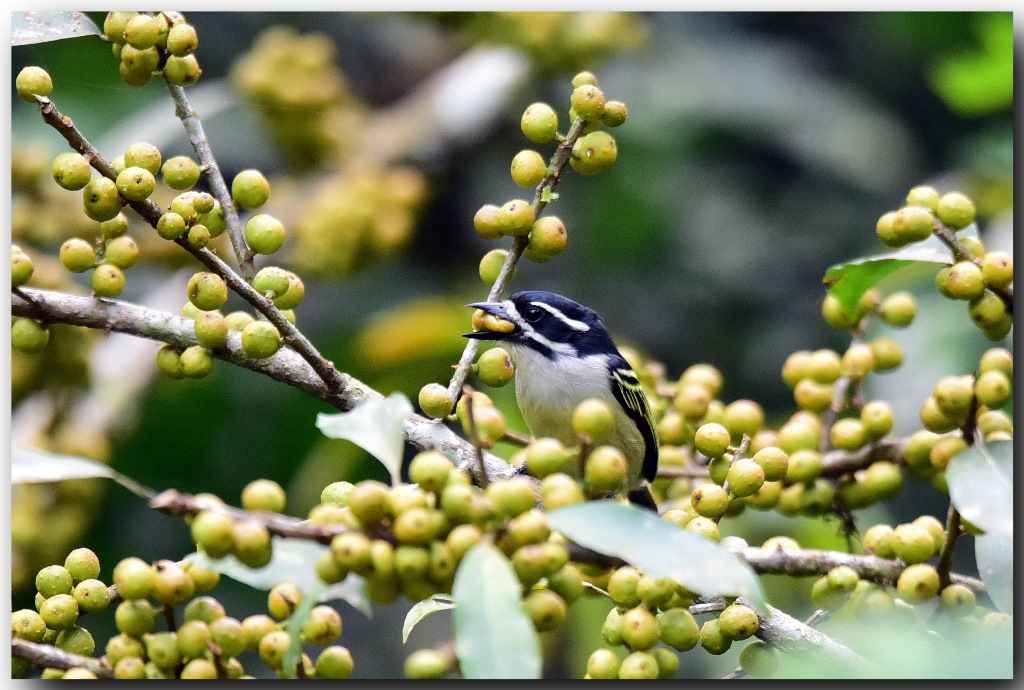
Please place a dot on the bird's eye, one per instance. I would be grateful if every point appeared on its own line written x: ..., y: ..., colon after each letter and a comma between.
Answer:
x: 533, y: 314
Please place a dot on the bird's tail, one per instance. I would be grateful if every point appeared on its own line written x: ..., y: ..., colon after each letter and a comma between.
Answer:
x: 642, y: 497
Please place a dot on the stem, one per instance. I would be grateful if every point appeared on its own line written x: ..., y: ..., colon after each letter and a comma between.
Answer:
x: 946, y: 556
x: 200, y: 144
x: 47, y: 656
x: 557, y: 164
x: 467, y: 391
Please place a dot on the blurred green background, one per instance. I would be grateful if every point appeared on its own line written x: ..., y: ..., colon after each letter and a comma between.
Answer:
x: 760, y: 149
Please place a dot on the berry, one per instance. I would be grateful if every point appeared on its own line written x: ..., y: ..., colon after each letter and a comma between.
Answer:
x: 114, y: 25
x: 547, y: 239
x: 925, y: 196
x: 516, y: 218
x: 143, y: 155
x: 260, y: 339
x: 955, y: 210
x: 878, y: 540
x: 711, y: 439
x: 528, y: 168
x: 742, y: 417
x: 953, y: 395
x: 211, y: 329
x: 171, y: 226
x: 898, y: 309
x: 987, y: 311
x: 678, y: 629
x: 588, y: 101
x: 997, y: 269
x: 59, y: 612
x: 107, y: 280
x: 996, y: 359
x: 33, y: 81
x: 992, y: 389
x: 546, y: 609
x: 214, y: 220
x: 957, y: 600
x: 759, y: 660
x: 135, y: 184
x: 888, y: 355
x: 773, y: 461
x: 77, y: 255
x: 944, y: 449
x: 858, y: 361
x: 207, y: 291
x: 91, y: 595
x: 435, y: 401
x: 491, y: 265
x: 615, y: 113
x: 639, y: 665
x: 745, y: 477
x: 692, y: 401
x: 848, y: 434
x: 593, y: 419
x: 885, y: 228
x: 180, y: 173
x: 250, y: 189
x: 603, y: 664
x: 918, y: 583
x: 182, y: 40
x: 804, y: 465
x: 593, y: 153
x: 877, y: 418
x: 292, y: 297
x: 962, y: 280
x: 264, y: 233
x: 182, y: 71
x: 494, y: 367
x: 539, y: 123
x: 196, y: 362
x: 912, y: 543
x: 582, y: 78
x: 738, y: 622
x: 713, y: 639
x: 100, y: 199
x: 640, y: 629
x: 334, y: 662
x: 486, y: 222
x: 605, y: 469
x: 813, y: 396
x: 912, y: 224
x: 141, y: 31
x: 121, y: 251
x: 546, y: 456
x: 76, y: 640
x: 71, y: 170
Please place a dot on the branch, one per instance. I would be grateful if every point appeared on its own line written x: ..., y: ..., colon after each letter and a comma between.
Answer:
x: 790, y: 635
x: 47, y: 656
x: 285, y: 366
x: 839, y: 462
x: 194, y: 128
x: 557, y: 164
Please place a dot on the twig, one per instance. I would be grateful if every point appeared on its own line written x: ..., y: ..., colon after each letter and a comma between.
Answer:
x: 285, y: 366
x: 556, y: 165
x: 47, y: 656
x: 790, y: 635
x: 201, y: 145
x: 839, y: 462
x: 467, y: 391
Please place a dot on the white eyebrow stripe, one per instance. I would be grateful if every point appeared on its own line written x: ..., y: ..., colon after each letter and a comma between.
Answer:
x: 571, y: 323
x: 560, y: 348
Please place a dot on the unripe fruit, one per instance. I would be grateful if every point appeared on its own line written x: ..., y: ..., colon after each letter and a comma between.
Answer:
x: 430, y: 469
x: 593, y: 419
x: 33, y: 81
x: 925, y: 196
x: 53, y: 580
x: 988, y: 311
x: 738, y: 622
x: 546, y: 609
x: 918, y: 583
x: 885, y: 228
x: 615, y: 113
x: 182, y: 40
x: 214, y: 220
x: 171, y: 226
x: 293, y: 296
x: 992, y: 389
x: 594, y: 153
x: 558, y: 490
x: 834, y: 313
x: 955, y: 210
x: 435, y: 401
x: 494, y: 367
x: 706, y: 527
x: 211, y: 329
x: 107, y: 280
x: 335, y: 662
x: 141, y: 31
x: 848, y: 434
x: 211, y: 530
x: 491, y: 264
x: 26, y: 624
x: 59, y: 612
x: 486, y: 222
x: 858, y: 361
x: 745, y: 477
x: 588, y: 101
x: 122, y: 252
x: 678, y: 629
x: 639, y: 665
x: 997, y: 269
x: 898, y: 309
x: 368, y: 501
x: 804, y: 465
x: 548, y: 238
x: 912, y: 543
x: 773, y: 461
x: 207, y: 291
x: 91, y: 595
x: 888, y: 355
x: 878, y: 540
x: 21, y: 267
x: 516, y: 218
x: 143, y: 155
x: 603, y: 664
x: 996, y: 359
x: 944, y: 449
x: 622, y: 586
x: 76, y: 640
x: 711, y: 439
x: 709, y: 500
x: 962, y: 280
x: 264, y: 233
x: 546, y: 456
x: 100, y: 199
x: 528, y: 168
x: 912, y: 224
x: 539, y: 123
x: 640, y: 629
x: 180, y: 173
x: 264, y: 494
x: 953, y: 395
x: 957, y: 600
x: 713, y: 639
x: 605, y: 469
x: 759, y: 660
x: 71, y: 170
x: 260, y: 339
x: 182, y: 71
x: 77, y: 255
x: 273, y: 647
x: 250, y: 189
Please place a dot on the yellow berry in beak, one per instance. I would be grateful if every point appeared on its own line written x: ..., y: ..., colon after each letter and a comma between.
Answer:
x: 482, y: 321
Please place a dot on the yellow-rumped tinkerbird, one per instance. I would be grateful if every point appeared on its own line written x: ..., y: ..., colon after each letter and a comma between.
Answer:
x: 563, y: 355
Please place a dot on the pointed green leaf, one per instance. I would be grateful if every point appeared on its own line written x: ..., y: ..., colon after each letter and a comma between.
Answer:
x: 294, y: 560
x: 980, y: 482
x: 422, y: 609
x: 494, y: 638
x: 849, y: 280
x: 296, y: 622
x: 376, y: 426
x: 31, y: 466
x: 39, y: 27
x: 658, y: 548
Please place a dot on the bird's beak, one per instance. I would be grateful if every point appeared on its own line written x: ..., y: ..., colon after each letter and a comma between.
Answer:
x: 491, y: 322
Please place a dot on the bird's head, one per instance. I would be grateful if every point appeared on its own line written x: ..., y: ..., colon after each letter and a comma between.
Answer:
x: 548, y: 323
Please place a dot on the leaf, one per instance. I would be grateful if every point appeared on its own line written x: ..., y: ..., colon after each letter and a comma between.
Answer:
x: 422, y: 609
x: 849, y: 280
x: 993, y: 553
x: 494, y: 638
x: 293, y: 559
x: 658, y: 548
x: 39, y: 27
x: 376, y: 426
x: 296, y: 622
x: 980, y: 482
x: 30, y: 466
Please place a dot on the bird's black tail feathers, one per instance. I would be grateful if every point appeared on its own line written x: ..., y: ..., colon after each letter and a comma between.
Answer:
x: 642, y: 497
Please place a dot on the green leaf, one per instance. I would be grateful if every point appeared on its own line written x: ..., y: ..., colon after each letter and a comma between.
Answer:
x: 658, y: 548
x: 980, y: 482
x: 39, y: 27
x: 376, y: 426
x: 849, y: 280
x: 494, y: 638
x: 294, y: 560
x: 994, y: 555
x: 30, y: 466
x: 296, y: 622
x: 422, y: 609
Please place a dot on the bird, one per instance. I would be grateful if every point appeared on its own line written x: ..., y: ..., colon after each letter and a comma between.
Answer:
x: 563, y: 355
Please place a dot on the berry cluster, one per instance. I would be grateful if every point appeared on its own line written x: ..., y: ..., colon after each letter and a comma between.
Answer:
x: 149, y: 43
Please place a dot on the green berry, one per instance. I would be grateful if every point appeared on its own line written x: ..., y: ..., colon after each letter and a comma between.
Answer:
x: 250, y: 189
x: 426, y: 664
x: 588, y: 101
x: 603, y: 664
x: 211, y: 329
x: 143, y: 155
x: 71, y: 170
x: 182, y: 71
x: 912, y: 543
x: 260, y: 339
x: 168, y: 360
x: 679, y: 629
x: 133, y: 578
x: 214, y: 220
x: 987, y: 311
x: 773, y: 461
x: 121, y: 251
x: 435, y: 401
x: 640, y: 629
x: 759, y: 660
x: 962, y: 280
x: 107, y: 280
x: 264, y: 494
x: 885, y: 228
x: 848, y: 434
x: 141, y: 31
x: 738, y: 622
x: 516, y: 218
x: 605, y: 469
x: 745, y: 477
x: 639, y: 665
x: 114, y: 25
x: 913, y: 224
x: 957, y: 600
x: 271, y: 281
x: 898, y: 309
x: 546, y: 456
x: 711, y: 439
x: 171, y: 226
x: 615, y: 113
x: 83, y: 564
x: 33, y: 81
x: 91, y: 595
x: 100, y: 199
x: 539, y: 123
x: 992, y: 389
x: 291, y: 297
x: 997, y: 269
x: 918, y: 583
x: 59, y: 612
x: 196, y: 362
x: 486, y: 222
x: 207, y: 291
x: 593, y: 153
x: 77, y: 255
x: 713, y: 639
x: 593, y: 418
x: 180, y: 173
x: 548, y: 238
x: 528, y: 168
x: 334, y: 662
x: 76, y: 640
x: 925, y: 196
x: 53, y: 580
x: 21, y: 267
x: 491, y: 265
x: 494, y: 367
x: 955, y: 210
x: 264, y: 233
x: 182, y: 40
x: 582, y: 78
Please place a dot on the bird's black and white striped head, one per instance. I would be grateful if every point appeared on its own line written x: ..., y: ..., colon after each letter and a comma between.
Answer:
x: 545, y: 322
